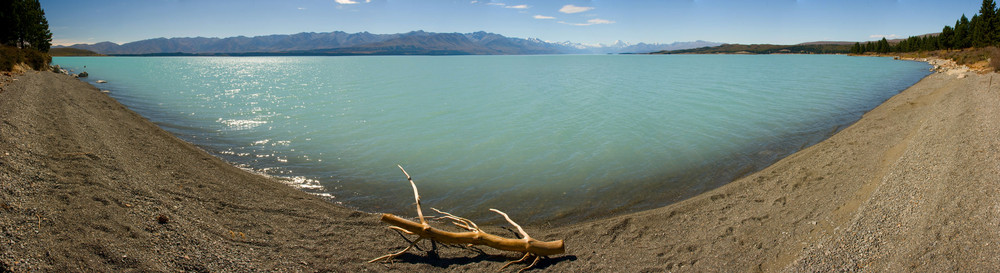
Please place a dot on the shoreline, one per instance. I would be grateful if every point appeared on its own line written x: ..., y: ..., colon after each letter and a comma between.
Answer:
x: 864, y: 199
x: 83, y: 170
x: 367, y: 190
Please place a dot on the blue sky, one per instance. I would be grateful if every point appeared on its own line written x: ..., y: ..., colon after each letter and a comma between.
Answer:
x: 663, y: 21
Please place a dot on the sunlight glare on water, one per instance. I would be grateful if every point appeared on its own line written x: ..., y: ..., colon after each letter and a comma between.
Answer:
x: 547, y: 138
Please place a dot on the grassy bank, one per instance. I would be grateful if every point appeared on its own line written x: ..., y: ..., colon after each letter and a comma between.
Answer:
x: 11, y: 57
x: 979, y: 59
x: 69, y: 51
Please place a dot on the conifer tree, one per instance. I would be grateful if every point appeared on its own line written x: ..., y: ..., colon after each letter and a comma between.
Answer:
x: 39, y: 37
x: 24, y: 25
x: 947, y: 34
x: 988, y: 21
x: 978, y: 31
x: 9, y: 23
x: 883, y: 46
x: 962, y: 29
x: 981, y: 31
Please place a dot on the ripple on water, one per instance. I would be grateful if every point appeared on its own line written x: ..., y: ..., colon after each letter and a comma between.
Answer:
x: 548, y: 138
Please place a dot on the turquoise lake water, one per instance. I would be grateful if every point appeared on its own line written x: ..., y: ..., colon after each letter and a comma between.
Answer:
x: 555, y: 138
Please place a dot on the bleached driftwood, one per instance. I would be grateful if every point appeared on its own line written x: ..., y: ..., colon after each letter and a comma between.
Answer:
x: 473, y: 236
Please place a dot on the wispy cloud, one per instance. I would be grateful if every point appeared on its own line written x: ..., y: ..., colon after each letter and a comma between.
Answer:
x: 473, y: 2
x: 544, y: 17
x: 496, y: 4
x: 574, y: 9
x: 301, y: 8
x: 69, y: 42
x: 590, y: 22
x: 599, y: 21
x: 880, y: 36
x: 517, y: 7
x: 350, y: 2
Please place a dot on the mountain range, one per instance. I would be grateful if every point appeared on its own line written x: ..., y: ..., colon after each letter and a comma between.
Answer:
x: 364, y: 43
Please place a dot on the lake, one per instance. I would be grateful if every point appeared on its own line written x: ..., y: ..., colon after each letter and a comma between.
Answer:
x: 547, y: 139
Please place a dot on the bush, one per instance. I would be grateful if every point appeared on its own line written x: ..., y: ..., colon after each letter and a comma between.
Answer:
x: 995, y: 59
x: 11, y: 56
x: 37, y: 60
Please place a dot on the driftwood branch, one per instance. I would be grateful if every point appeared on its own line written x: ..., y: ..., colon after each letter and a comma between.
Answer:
x: 472, y: 236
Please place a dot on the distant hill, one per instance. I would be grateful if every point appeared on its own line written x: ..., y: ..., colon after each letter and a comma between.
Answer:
x: 335, y: 43
x: 891, y: 41
x: 424, y: 43
x: 646, y: 48
x: 828, y: 43
x: 623, y: 47
x: 67, y: 51
x: 364, y: 43
x: 765, y: 49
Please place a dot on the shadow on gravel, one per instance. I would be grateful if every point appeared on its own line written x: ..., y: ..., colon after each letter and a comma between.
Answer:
x: 433, y: 259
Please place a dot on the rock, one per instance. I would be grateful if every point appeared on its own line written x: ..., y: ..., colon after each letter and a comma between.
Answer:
x: 102, y: 81
x: 58, y: 69
x: 962, y: 76
x: 84, y: 74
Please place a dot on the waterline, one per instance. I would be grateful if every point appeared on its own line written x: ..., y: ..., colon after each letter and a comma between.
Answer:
x: 552, y: 138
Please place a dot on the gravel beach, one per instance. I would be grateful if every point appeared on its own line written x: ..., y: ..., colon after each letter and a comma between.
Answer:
x: 90, y: 186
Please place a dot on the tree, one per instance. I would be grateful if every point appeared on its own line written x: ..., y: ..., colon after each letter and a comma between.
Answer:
x: 882, y: 46
x: 979, y: 31
x: 24, y: 25
x: 961, y: 38
x: 9, y: 23
x: 856, y: 48
x: 38, y: 37
x: 946, y: 37
x: 988, y: 23
x: 982, y: 30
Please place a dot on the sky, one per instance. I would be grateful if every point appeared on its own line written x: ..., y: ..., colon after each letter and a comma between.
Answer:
x: 589, y: 22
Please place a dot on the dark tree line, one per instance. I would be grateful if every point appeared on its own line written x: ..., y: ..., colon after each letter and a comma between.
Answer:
x: 981, y: 31
x: 24, y: 25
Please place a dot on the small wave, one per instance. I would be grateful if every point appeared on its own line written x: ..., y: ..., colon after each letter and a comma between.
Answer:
x: 241, y: 124
x: 302, y: 182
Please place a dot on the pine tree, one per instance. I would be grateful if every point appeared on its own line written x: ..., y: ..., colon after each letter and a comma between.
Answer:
x: 24, y: 25
x: 962, y: 29
x: 988, y: 20
x: 883, y: 46
x: 947, y: 34
x: 38, y: 37
x: 981, y: 31
x: 978, y: 31
x: 7, y: 34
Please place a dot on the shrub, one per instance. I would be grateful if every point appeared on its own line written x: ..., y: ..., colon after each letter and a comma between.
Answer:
x: 995, y: 58
x: 37, y: 60
x: 11, y: 56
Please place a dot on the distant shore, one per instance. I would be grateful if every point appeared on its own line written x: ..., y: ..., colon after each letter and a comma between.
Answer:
x: 89, y: 185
